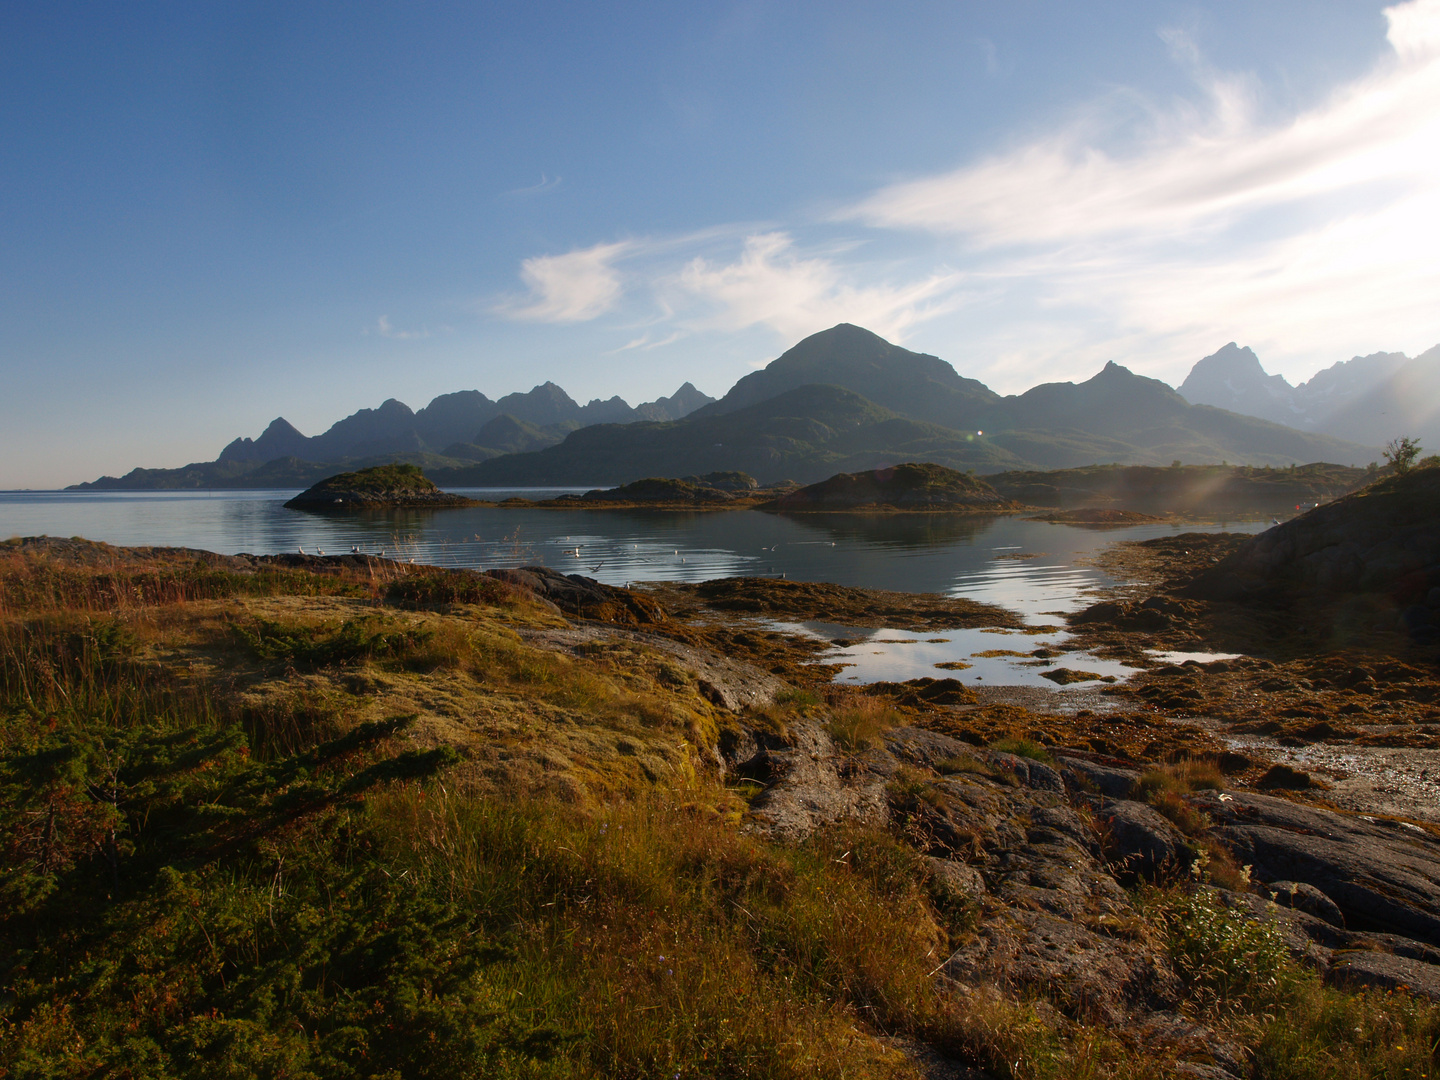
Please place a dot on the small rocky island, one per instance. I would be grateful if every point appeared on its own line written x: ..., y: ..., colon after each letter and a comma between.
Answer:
x: 914, y: 487
x: 382, y: 487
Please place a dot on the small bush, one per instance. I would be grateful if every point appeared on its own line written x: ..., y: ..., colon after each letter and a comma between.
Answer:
x: 1229, y: 960
x: 323, y: 644
x: 444, y: 588
x: 966, y: 763
x: 859, y: 724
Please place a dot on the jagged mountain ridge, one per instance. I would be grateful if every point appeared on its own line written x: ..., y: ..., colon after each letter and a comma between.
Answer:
x: 811, y: 431
x: 802, y: 432
x: 1368, y: 399
x: 451, y: 419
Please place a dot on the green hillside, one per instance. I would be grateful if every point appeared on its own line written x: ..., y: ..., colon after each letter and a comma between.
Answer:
x: 805, y: 434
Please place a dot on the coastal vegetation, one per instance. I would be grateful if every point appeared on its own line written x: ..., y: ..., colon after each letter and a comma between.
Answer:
x: 345, y: 817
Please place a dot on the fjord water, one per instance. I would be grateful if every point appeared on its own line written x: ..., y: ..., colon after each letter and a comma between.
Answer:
x: 958, y: 555
x: 975, y: 557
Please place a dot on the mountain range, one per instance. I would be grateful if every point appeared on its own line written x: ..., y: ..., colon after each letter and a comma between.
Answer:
x: 1368, y: 399
x: 841, y: 400
x: 845, y: 399
x: 461, y: 425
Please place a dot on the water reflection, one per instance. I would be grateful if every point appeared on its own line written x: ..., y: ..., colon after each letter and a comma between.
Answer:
x: 1034, y: 568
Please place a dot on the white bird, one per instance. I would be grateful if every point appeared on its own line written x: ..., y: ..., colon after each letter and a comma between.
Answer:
x: 596, y: 567
x: 302, y: 549
x: 354, y: 550
x: 319, y: 551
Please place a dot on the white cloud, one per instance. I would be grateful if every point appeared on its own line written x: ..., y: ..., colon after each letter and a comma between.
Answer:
x: 770, y: 284
x: 546, y: 185
x: 1311, y: 238
x: 1307, y: 237
x: 575, y: 287
x: 386, y: 330
x: 1193, y: 170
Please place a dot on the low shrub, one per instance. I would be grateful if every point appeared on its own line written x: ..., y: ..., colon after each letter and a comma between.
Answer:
x: 859, y: 723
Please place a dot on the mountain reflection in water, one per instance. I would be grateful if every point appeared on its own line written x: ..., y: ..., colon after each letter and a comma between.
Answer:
x: 1033, y: 568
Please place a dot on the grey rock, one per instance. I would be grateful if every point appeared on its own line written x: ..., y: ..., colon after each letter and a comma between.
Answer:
x: 1386, y: 971
x: 807, y: 791
x: 1307, y: 898
x: 1209, y: 1052
x: 924, y: 748
x: 1139, y: 839
x: 1092, y: 976
x: 957, y: 878
x: 1112, y: 782
x: 1031, y: 773
x: 1381, y: 879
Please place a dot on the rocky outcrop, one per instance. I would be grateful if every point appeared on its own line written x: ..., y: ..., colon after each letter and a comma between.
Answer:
x: 381, y: 487
x: 582, y: 596
x: 1367, y: 563
x: 1382, y: 539
x: 911, y: 487
x: 1377, y: 875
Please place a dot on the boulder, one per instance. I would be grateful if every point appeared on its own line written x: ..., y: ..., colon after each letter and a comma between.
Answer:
x: 1307, y: 898
x: 1141, y: 840
x: 1381, y: 876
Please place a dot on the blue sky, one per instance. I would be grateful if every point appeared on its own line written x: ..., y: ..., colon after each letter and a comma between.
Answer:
x: 216, y: 214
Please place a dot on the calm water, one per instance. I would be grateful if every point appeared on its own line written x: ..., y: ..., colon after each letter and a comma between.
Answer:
x: 952, y: 555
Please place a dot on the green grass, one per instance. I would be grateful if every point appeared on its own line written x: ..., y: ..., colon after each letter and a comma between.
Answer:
x: 1025, y: 748
x: 199, y: 882
x: 1240, y: 977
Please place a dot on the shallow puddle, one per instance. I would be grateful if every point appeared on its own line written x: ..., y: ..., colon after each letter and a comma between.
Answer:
x: 990, y: 656
x: 1198, y: 657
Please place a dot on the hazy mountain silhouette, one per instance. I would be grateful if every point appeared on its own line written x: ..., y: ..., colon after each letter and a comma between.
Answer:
x: 1407, y: 402
x: 1233, y: 379
x: 451, y: 419
x: 814, y: 430
x: 1368, y: 399
x: 843, y: 399
x: 916, y: 385
x: 805, y: 434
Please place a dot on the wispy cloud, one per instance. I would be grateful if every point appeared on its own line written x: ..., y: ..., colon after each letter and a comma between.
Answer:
x: 1134, y: 232
x: 574, y: 287
x: 547, y: 184
x: 385, y: 329
x: 1194, y: 168
x: 771, y: 284
x: 1304, y: 235
x: 644, y: 343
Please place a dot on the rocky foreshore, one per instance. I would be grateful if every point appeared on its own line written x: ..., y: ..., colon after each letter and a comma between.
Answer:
x: 1158, y: 874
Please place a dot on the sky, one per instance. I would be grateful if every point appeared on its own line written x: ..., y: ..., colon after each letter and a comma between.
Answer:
x: 215, y: 214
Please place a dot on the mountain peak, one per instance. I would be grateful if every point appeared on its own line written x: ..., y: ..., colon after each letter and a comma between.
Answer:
x: 1232, y: 378
x: 915, y: 385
